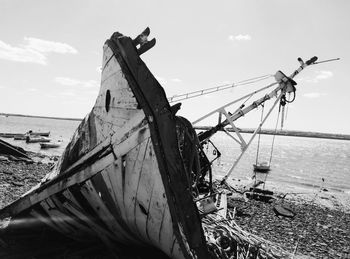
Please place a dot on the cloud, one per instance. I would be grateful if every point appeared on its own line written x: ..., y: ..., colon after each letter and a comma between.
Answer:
x: 164, y: 81
x: 176, y: 80
x: 99, y: 69
x: 34, y: 50
x: 23, y: 55
x: 314, y: 95
x: 323, y: 75
x: 240, y: 37
x: 319, y: 75
x: 45, y: 46
x: 75, y: 82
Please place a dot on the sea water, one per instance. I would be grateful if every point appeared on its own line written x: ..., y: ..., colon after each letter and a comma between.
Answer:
x: 61, y: 131
x: 302, y: 162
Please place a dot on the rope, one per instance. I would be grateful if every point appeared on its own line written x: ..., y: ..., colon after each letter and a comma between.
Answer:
x: 272, y: 145
x: 257, y: 152
x: 190, y: 95
x: 274, y: 136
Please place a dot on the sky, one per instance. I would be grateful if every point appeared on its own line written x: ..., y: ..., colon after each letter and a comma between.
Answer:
x: 51, y: 53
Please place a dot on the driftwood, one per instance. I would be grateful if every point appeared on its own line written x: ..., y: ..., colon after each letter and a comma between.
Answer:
x: 227, y: 240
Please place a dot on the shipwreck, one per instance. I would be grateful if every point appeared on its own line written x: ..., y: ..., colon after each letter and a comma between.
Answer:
x: 135, y: 174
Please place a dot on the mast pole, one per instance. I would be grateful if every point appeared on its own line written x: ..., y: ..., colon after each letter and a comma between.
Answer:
x: 283, y: 82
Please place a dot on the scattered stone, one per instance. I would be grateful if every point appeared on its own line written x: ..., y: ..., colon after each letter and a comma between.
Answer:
x: 17, y: 183
x: 3, y: 158
x: 18, y: 177
x: 6, y: 172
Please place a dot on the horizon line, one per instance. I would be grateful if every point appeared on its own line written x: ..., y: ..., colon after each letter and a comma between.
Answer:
x: 243, y: 130
x: 40, y: 117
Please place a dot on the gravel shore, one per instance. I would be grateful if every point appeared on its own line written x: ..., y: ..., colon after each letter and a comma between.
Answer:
x: 318, y: 229
x: 315, y: 231
x: 18, y: 176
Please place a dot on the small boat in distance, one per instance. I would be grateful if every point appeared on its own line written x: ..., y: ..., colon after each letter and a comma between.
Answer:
x: 30, y: 139
x: 20, y: 137
x: 262, y: 167
x: 10, y: 135
x: 38, y: 133
x: 49, y: 145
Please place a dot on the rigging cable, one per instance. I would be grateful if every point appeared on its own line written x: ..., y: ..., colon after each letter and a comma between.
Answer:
x: 257, y: 152
x: 273, y: 143
x: 210, y: 90
x: 274, y: 135
x: 176, y: 98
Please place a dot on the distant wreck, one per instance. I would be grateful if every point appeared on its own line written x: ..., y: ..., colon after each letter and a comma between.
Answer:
x: 135, y: 174
x: 13, y: 152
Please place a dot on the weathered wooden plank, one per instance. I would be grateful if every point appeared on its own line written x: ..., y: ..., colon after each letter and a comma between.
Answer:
x: 112, y: 176
x: 166, y: 232
x: 36, y: 214
x: 117, y: 138
x: 222, y: 207
x: 134, y: 125
x: 132, y: 166
x: 50, y: 203
x: 69, y: 196
x: 107, y: 125
x: 143, y: 189
x: 86, y: 218
x: 131, y: 142
x: 177, y: 251
x: 79, y: 177
x: 94, y: 198
x: 109, y: 63
x: 151, y: 193
x: 119, y: 89
x: 115, y: 103
x: 123, y: 143
x: 102, y: 189
x: 76, y: 222
x: 103, y: 234
x: 35, y: 196
x: 60, y: 220
x: 162, y: 125
x: 3, y: 244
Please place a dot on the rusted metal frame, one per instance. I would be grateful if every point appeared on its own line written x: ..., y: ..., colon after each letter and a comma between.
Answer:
x: 242, y: 142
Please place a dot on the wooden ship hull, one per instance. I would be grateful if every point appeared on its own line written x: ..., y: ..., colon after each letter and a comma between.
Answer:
x: 38, y: 133
x: 261, y: 168
x: 122, y: 178
x: 49, y: 145
x: 37, y: 139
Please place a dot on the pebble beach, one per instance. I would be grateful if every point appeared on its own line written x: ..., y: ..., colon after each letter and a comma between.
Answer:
x: 320, y: 228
